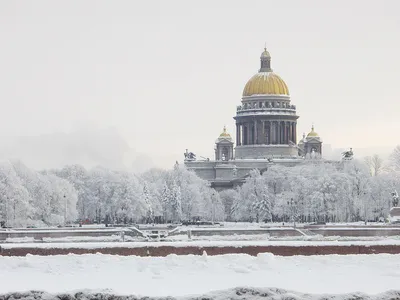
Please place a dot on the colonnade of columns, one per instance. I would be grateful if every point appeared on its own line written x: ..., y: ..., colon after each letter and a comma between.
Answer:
x: 265, y: 132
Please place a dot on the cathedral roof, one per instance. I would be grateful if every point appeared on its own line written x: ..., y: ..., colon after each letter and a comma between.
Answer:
x: 265, y: 82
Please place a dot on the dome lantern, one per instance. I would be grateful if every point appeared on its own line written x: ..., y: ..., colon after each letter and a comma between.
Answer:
x: 265, y: 61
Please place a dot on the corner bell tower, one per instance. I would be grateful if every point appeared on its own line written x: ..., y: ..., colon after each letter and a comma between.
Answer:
x: 224, y: 146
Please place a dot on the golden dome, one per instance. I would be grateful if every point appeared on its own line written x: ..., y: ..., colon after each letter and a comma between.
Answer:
x: 224, y: 134
x: 312, y: 133
x: 265, y: 83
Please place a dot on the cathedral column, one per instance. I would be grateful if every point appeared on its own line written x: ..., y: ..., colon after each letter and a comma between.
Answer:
x: 237, y: 134
x: 279, y: 132
x: 243, y: 135
x: 255, y: 138
x: 283, y: 132
x: 270, y: 133
x: 248, y: 133
x: 264, y: 137
x: 286, y: 133
x: 240, y: 134
x: 294, y: 133
x: 290, y: 131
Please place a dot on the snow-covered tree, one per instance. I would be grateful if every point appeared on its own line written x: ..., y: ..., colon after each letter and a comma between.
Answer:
x: 375, y: 164
x: 149, y: 204
x: 176, y: 202
x: 14, y: 198
x: 166, y: 200
x: 228, y: 198
x: 395, y: 158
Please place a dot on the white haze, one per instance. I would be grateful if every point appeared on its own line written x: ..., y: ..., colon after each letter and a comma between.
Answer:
x: 167, y: 75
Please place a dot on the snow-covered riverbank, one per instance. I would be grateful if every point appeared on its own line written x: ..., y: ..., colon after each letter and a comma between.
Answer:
x: 187, y: 275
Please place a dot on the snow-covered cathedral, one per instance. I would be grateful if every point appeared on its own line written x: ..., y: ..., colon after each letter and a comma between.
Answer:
x: 266, y: 133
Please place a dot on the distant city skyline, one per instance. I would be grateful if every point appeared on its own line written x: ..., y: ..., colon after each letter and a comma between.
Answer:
x: 167, y: 76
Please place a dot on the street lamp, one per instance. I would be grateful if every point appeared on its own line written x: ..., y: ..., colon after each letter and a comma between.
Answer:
x: 65, y: 212
x: 365, y: 208
x: 293, y: 209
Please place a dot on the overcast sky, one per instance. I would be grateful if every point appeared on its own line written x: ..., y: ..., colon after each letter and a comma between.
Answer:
x: 168, y: 75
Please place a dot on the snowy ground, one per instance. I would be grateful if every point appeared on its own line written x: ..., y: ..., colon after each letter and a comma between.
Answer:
x: 240, y: 293
x: 187, y: 275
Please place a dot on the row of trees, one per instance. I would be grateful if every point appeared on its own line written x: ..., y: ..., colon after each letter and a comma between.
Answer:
x: 27, y: 196
x: 313, y: 191
x: 101, y: 195
x: 317, y: 190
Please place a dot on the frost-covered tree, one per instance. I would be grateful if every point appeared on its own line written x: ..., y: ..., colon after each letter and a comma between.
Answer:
x: 395, y: 158
x: 375, y: 164
x: 78, y: 177
x: 148, y: 203
x: 228, y: 198
x: 63, y: 201
x: 14, y: 198
x: 176, y: 202
x: 166, y: 200
x: 321, y: 191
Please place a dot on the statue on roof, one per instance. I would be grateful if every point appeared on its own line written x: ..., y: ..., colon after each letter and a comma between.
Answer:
x: 189, y: 156
x: 347, y: 155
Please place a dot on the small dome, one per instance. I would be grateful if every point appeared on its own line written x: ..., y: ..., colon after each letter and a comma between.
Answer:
x: 224, y: 134
x: 312, y: 133
x: 265, y: 53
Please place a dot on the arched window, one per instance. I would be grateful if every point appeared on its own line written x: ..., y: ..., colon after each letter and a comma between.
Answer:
x: 225, y: 153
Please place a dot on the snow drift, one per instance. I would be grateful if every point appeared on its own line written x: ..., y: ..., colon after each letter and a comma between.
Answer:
x: 241, y: 293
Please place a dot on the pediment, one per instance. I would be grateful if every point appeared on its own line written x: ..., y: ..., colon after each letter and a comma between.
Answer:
x: 314, y: 140
x: 224, y: 141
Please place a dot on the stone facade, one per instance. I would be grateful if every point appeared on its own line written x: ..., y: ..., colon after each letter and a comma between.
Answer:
x: 265, y: 151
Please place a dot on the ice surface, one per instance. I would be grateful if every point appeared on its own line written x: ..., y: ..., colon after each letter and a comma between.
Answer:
x: 187, y: 275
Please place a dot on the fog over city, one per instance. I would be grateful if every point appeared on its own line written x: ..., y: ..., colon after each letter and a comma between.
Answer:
x: 131, y: 85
